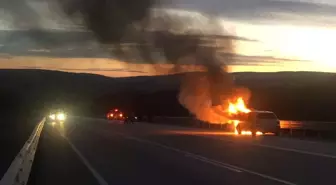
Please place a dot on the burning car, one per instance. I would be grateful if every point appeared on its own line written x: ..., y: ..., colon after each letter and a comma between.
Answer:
x: 252, y: 122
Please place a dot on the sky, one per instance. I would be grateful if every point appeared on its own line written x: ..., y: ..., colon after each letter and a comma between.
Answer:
x: 291, y: 35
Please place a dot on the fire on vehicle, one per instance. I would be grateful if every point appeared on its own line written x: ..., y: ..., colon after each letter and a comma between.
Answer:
x: 252, y: 122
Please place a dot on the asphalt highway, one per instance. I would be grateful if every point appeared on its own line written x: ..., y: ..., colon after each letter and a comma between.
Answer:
x: 89, y: 151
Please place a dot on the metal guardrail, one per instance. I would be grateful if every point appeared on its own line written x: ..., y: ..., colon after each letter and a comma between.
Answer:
x: 308, y: 125
x: 284, y: 124
x: 187, y: 121
x: 19, y: 170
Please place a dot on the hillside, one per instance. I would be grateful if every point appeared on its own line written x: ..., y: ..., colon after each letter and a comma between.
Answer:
x: 292, y: 95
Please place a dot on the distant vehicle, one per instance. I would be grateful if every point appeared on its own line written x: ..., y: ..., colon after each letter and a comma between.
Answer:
x: 258, y: 121
x: 130, y: 119
x: 56, y: 116
x: 115, y: 114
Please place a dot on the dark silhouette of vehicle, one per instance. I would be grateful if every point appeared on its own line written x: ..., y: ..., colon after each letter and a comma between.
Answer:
x: 115, y: 114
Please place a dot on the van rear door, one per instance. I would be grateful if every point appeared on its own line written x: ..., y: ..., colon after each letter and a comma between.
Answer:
x: 266, y: 121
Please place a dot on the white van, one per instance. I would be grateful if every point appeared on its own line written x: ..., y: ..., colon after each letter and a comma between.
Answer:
x: 259, y: 121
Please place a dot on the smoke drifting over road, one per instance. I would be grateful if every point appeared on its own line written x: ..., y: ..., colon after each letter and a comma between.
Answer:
x: 154, y: 34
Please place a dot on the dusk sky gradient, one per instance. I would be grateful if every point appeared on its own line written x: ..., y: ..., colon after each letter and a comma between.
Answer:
x: 293, y: 35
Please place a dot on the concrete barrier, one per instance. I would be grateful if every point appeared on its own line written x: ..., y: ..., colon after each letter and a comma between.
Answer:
x: 19, y: 170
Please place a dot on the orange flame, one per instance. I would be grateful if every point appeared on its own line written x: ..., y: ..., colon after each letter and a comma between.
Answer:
x: 238, y: 107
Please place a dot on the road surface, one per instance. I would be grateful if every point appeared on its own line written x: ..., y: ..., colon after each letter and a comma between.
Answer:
x: 88, y: 151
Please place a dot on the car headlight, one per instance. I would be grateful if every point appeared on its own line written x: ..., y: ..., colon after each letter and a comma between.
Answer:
x: 61, y: 116
x: 52, y: 116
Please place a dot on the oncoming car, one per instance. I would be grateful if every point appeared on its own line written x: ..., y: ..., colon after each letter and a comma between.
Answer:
x: 258, y: 122
x: 56, y: 117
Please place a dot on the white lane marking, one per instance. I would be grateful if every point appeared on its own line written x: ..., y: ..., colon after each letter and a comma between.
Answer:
x: 276, y: 147
x: 99, y: 178
x: 296, y: 150
x: 270, y: 146
x: 213, y: 162
x: 187, y: 154
x: 204, y: 159
x: 298, y: 140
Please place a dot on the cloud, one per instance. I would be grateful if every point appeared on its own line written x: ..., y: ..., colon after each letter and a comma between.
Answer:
x: 46, y: 14
x: 60, y: 44
x: 65, y: 44
x: 91, y: 70
x: 20, y: 12
x: 32, y: 14
x: 264, y: 10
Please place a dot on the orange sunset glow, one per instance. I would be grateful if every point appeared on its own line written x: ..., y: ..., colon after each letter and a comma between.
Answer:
x: 284, y: 41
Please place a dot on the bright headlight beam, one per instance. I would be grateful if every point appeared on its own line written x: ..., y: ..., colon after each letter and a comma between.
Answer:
x: 52, y: 116
x: 61, y: 116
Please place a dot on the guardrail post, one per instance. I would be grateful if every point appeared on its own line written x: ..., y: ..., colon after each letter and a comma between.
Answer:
x: 290, y: 129
x: 17, y: 178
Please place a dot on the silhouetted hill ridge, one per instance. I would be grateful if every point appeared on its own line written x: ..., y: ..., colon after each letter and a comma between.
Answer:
x: 292, y: 95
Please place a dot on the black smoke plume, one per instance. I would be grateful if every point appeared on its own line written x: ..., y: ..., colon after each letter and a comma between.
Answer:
x: 141, y: 31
